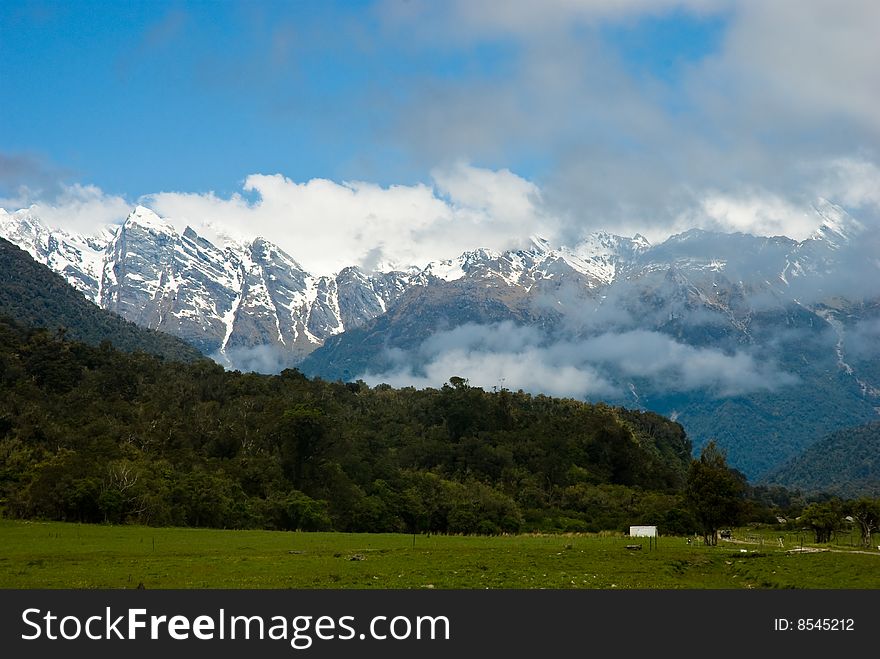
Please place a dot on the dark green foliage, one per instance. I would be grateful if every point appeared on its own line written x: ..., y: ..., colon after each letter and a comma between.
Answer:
x: 758, y: 430
x: 93, y: 434
x: 824, y: 518
x: 845, y: 463
x: 715, y: 493
x: 37, y: 297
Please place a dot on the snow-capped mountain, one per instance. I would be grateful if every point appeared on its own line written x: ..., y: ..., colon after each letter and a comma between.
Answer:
x: 596, y: 260
x: 229, y: 298
x: 234, y: 297
x: 224, y: 299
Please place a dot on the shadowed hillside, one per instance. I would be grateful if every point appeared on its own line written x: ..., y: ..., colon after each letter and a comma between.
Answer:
x: 845, y: 463
x: 35, y: 296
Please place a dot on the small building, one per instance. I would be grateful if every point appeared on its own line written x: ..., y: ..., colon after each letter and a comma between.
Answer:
x: 643, y: 531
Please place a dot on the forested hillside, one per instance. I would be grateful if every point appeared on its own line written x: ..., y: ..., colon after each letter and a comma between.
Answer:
x: 845, y: 463
x: 36, y: 296
x: 94, y: 434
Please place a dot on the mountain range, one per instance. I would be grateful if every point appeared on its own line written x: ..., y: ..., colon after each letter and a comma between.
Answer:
x: 763, y: 343
x: 224, y: 300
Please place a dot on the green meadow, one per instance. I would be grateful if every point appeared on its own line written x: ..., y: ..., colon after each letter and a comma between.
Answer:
x: 59, y: 555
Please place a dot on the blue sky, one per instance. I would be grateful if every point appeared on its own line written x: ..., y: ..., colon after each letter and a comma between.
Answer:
x: 648, y: 115
x: 140, y: 97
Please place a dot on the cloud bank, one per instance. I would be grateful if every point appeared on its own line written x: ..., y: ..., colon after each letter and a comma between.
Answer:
x: 506, y: 355
x: 327, y: 225
x: 648, y: 116
x: 79, y: 208
x: 776, y: 105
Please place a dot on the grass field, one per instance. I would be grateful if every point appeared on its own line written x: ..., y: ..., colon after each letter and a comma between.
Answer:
x: 58, y: 555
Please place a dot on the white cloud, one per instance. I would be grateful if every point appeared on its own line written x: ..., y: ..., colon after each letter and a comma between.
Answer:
x: 528, y: 370
x: 756, y: 212
x: 781, y: 110
x: 854, y: 182
x: 498, y: 355
x: 734, y: 132
x: 527, y: 17
x: 679, y: 367
x: 790, y: 63
x: 490, y: 194
x: 327, y: 225
x: 80, y: 208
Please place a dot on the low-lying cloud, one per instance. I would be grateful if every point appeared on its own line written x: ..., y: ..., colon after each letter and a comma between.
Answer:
x: 267, y: 359
x: 514, y: 357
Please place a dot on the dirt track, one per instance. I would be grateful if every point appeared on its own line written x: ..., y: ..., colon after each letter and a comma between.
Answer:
x: 810, y: 550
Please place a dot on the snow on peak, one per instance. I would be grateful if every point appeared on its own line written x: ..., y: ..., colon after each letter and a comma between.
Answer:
x: 266, y: 251
x: 640, y: 242
x: 481, y: 254
x: 447, y: 269
x: 602, y: 243
x: 542, y: 245
x: 144, y: 217
x: 837, y: 225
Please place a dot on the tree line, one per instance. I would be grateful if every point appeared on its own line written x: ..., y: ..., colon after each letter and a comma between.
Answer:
x: 92, y: 434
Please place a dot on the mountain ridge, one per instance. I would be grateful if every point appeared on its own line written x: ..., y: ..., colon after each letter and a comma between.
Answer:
x: 844, y: 463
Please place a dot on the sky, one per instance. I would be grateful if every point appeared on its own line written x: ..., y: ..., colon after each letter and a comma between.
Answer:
x: 398, y: 131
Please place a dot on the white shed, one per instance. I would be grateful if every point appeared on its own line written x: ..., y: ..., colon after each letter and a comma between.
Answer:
x: 643, y: 531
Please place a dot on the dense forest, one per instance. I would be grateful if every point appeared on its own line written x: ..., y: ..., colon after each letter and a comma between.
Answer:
x: 845, y: 463
x: 94, y: 434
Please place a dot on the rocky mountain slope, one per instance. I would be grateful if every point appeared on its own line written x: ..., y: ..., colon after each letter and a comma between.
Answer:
x: 227, y: 301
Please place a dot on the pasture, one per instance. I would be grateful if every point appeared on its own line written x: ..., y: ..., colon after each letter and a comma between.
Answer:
x: 60, y: 555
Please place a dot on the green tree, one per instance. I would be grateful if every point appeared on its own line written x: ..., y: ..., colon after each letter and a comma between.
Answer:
x: 824, y: 518
x: 304, y: 428
x: 714, y: 493
x: 866, y: 514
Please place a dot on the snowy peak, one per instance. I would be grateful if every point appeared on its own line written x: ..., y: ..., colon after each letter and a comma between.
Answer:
x: 602, y: 243
x: 597, y: 258
x: 640, y: 243
x: 511, y: 267
x: 539, y: 244
x: 264, y: 251
x: 447, y: 270
x: 76, y: 258
x: 148, y: 220
x: 601, y: 256
x: 837, y: 227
